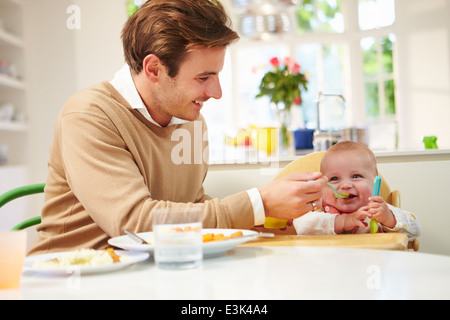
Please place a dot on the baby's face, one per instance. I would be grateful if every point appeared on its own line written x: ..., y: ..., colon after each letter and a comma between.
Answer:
x: 351, y: 172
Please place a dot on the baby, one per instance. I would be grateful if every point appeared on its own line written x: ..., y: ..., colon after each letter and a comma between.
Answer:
x: 351, y: 168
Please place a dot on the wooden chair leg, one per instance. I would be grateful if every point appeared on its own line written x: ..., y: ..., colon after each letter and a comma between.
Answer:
x: 414, y: 245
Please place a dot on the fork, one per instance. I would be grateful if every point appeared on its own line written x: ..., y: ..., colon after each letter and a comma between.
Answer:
x: 135, y: 237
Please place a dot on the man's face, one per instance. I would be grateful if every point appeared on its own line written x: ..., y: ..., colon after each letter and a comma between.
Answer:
x: 197, y: 81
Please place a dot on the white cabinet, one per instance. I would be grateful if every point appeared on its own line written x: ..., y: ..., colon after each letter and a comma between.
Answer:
x: 13, y: 97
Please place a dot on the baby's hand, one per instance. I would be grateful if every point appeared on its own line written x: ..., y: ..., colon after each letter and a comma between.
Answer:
x: 356, y: 219
x: 379, y: 211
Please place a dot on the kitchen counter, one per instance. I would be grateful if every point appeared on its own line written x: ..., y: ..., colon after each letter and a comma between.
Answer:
x: 248, y: 158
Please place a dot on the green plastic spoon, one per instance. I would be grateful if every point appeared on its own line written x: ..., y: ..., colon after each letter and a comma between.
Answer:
x: 337, y: 194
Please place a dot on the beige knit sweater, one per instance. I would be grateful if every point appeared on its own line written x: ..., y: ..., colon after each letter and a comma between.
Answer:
x: 109, y: 168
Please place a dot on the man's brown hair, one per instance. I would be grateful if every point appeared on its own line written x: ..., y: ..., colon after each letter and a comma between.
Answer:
x: 170, y: 29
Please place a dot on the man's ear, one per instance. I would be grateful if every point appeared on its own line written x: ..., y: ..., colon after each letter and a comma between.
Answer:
x: 152, y: 67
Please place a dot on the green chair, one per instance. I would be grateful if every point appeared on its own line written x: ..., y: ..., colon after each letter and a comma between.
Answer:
x: 20, y: 192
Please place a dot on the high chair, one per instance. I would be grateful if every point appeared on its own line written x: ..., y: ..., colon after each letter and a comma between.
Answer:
x: 21, y: 192
x: 311, y: 163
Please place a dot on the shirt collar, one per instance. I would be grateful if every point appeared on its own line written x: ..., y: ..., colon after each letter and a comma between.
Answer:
x: 123, y: 83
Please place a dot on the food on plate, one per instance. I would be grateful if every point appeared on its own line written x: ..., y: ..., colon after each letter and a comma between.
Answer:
x: 186, y: 229
x: 208, y: 237
x: 113, y: 254
x: 82, y: 258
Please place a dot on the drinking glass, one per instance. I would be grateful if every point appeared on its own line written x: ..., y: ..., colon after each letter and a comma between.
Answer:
x: 13, y: 246
x: 178, y: 238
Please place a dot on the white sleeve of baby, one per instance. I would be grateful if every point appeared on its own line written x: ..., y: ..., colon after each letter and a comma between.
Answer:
x: 315, y: 223
x: 407, y: 223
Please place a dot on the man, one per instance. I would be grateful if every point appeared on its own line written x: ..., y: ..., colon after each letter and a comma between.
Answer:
x: 115, y: 154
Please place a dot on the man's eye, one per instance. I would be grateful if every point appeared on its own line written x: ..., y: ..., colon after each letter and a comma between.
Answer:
x: 203, y: 79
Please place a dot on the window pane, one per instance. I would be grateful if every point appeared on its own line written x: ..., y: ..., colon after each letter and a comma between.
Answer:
x: 387, y: 47
x: 324, y: 67
x: 252, y: 62
x: 320, y: 16
x: 375, y: 14
x: 216, y: 111
x: 308, y: 56
x: 333, y: 68
x: 372, y: 101
x: 389, y: 87
x: 378, y: 68
x: 370, y: 56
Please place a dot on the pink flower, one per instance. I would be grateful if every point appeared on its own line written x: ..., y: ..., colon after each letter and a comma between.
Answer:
x: 287, y: 61
x: 275, y: 62
x: 294, y: 68
x: 297, y: 100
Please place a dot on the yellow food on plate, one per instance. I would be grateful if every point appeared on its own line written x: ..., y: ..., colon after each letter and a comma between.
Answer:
x: 208, y: 237
x: 83, y: 257
x: 115, y: 257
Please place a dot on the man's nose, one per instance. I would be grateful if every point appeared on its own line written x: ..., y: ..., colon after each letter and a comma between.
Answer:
x: 214, y: 90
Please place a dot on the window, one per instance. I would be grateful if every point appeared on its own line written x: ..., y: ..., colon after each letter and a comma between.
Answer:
x: 321, y: 43
x: 378, y: 71
x: 253, y: 62
x: 375, y: 14
x: 324, y: 63
x: 377, y: 50
x: 320, y: 16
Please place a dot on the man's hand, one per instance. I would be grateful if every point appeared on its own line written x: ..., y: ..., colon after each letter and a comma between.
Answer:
x: 292, y: 196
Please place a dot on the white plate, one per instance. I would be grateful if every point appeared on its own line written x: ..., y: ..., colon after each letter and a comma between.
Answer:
x: 129, y: 258
x: 209, y: 248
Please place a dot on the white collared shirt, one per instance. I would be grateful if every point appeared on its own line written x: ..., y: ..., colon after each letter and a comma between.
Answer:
x: 123, y: 83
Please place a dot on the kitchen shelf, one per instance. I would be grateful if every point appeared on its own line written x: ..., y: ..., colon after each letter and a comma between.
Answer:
x: 7, y: 38
x: 11, y: 83
x: 13, y: 126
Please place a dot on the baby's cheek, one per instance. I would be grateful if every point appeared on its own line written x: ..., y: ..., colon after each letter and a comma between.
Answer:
x: 364, y: 196
x: 329, y: 197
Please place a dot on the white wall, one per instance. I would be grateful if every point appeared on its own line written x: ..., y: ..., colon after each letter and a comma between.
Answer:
x: 423, y: 186
x: 423, y: 62
x: 98, y: 46
x: 62, y: 61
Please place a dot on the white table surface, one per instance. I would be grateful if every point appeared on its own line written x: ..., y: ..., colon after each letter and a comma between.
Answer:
x: 260, y: 273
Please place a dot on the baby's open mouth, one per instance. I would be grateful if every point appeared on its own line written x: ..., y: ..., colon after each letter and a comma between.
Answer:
x: 351, y: 196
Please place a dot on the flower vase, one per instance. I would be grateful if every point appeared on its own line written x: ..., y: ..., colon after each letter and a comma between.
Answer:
x: 286, y: 135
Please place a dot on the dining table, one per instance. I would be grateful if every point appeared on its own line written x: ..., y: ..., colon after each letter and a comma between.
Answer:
x: 280, y: 268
